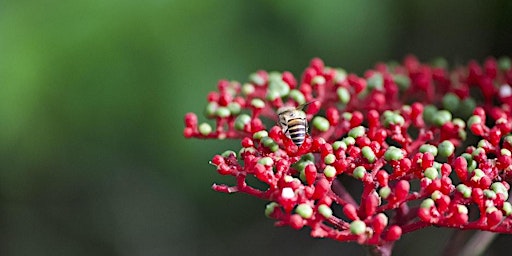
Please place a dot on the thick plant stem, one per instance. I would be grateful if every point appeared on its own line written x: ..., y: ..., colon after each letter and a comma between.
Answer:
x: 478, y: 243
x: 380, y: 250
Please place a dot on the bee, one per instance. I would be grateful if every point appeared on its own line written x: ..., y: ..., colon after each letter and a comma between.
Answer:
x: 293, y: 122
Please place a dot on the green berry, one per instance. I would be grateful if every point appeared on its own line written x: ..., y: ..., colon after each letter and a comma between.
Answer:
x: 325, y: 211
x: 446, y: 148
x: 474, y: 120
x: 269, y: 209
x: 343, y: 95
x: 257, y: 103
x: 234, y: 108
x: 464, y: 190
x: 205, y: 129
x: 368, y: 154
x: 507, y: 208
x: 259, y: 135
x: 256, y: 79
x: 241, y: 121
x: 340, y: 75
x: 429, y: 148
x: 442, y: 117
x: 429, y: 113
x: 304, y: 210
x: 376, y: 81
x: 211, y: 109
x: 489, y: 194
x: 359, y: 172
x: 462, y: 209
x: 427, y: 203
x: 357, y: 227
x: 247, y: 89
x: 451, y: 102
x: 266, y: 161
x: 222, y: 112
x: 329, y: 159
x: 297, y: 96
x: 504, y: 63
x: 384, y: 192
x: 228, y: 153
x: 321, y: 123
x: 402, y: 81
x: 329, y: 171
x: 431, y: 173
x: 318, y: 80
x: 393, y: 153
x: 357, y: 132
x: 339, y: 144
x: 349, y: 141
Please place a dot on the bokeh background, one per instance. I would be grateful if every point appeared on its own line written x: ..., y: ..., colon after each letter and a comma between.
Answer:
x: 93, y: 93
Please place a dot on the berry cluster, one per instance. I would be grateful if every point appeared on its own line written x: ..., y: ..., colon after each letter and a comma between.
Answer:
x: 425, y: 145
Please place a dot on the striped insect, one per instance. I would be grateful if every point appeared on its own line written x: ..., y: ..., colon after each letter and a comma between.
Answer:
x: 293, y: 122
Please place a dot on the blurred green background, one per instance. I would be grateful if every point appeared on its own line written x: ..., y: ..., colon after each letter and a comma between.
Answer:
x: 93, y: 93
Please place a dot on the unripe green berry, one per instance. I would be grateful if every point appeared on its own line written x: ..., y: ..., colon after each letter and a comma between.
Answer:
x: 446, y: 148
x: 234, y: 108
x: 429, y: 113
x: 504, y: 63
x: 349, y: 141
x: 325, y: 211
x: 247, y: 89
x: 357, y: 132
x: 256, y: 79
x: 474, y: 120
x: 339, y: 144
x: 205, y: 129
x: 384, y: 192
x: 507, y: 208
x: 228, y: 153
x: 321, y: 123
x: 241, y: 121
x: 462, y: 209
x: 269, y: 209
x: 304, y: 210
x: 427, y: 203
x: 272, y: 95
x: 431, y: 173
x: 318, y: 80
x: 451, y: 102
x: 489, y: 194
x: 436, y: 195
x: 329, y: 159
x: 368, y: 154
x: 329, y: 171
x: 393, y: 153
x: 259, y: 135
x: 340, y: 75
x: 257, y: 103
x: 402, y: 81
x: 211, y: 109
x: 359, y: 172
x: 464, y: 190
x: 466, y: 107
x: 376, y: 81
x: 343, y: 95
x: 429, y: 148
x: 491, y: 209
x: 357, y: 227
x: 266, y: 161
x: 442, y: 117
x: 297, y: 96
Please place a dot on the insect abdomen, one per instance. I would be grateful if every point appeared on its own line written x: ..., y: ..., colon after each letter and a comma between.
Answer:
x: 297, y: 130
